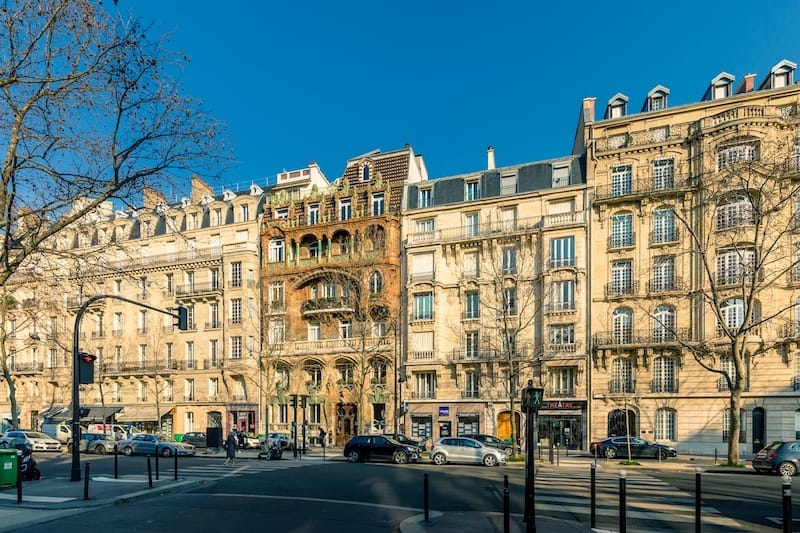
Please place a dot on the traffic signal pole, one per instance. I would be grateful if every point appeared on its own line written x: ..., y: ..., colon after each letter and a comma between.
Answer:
x: 181, y: 315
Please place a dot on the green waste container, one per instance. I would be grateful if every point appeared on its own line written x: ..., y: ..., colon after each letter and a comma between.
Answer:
x: 8, y: 467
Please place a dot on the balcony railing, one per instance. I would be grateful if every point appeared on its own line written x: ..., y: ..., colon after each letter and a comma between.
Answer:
x: 26, y: 368
x: 136, y: 367
x: 470, y: 315
x: 673, y: 284
x: 197, y: 289
x: 626, y: 240
x: 664, y: 385
x: 559, y: 307
x: 421, y: 355
x: 563, y: 347
x: 488, y: 229
x: 641, y: 337
x: 621, y: 288
x: 561, y: 262
x: 561, y: 393
x: 470, y: 394
x: 326, y: 305
x: 643, y: 187
x: 664, y: 236
x: 423, y: 395
x: 621, y: 386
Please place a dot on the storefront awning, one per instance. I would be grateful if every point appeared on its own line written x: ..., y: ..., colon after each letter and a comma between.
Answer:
x: 55, y: 414
x: 143, y: 413
x: 100, y: 414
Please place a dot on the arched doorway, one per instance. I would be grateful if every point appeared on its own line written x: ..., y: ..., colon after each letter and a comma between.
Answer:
x: 346, y: 424
x: 618, y: 426
x: 504, y: 425
x: 759, y: 425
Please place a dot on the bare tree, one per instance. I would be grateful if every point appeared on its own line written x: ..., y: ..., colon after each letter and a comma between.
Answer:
x: 91, y: 115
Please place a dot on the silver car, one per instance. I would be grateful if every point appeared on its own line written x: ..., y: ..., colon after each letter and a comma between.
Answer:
x: 465, y: 450
x: 39, y: 442
x: 145, y: 444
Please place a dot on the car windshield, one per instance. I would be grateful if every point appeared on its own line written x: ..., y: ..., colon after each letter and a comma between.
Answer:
x: 773, y: 445
x: 37, y: 435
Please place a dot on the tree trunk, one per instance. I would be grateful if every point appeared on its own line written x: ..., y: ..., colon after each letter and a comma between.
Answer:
x: 12, y: 396
x: 735, y: 428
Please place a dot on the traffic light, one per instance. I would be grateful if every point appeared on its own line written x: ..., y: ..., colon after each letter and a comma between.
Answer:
x: 403, y: 408
x: 183, y: 318
x: 86, y: 368
x: 532, y: 397
x: 293, y: 400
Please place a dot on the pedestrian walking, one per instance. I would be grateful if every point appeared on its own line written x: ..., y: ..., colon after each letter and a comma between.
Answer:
x: 230, y: 447
x: 322, y: 437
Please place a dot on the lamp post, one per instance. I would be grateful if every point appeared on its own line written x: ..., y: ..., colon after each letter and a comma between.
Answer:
x: 294, y: 425
x: 303, y: 404
x: 531, y: 401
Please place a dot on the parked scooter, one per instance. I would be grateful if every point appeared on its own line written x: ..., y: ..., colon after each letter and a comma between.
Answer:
x: 275, y: 452
x: 27, y: 465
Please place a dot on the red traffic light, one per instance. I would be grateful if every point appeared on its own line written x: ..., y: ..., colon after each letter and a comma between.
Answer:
x: 88, y: 358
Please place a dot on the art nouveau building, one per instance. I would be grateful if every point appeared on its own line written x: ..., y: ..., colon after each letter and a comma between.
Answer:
x: 331, y: 279
x: 680, y: 234
x: 496, y: 294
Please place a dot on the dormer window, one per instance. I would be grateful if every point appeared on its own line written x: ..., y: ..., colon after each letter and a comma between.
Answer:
x: 617, y: 106
x: 366, y: 170
x: 721, y: 86
x: 781, y: 75
x: 657, y: 99
x: 425, y: 197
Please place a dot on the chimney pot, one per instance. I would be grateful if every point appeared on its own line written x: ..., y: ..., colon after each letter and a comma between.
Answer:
x: 490, y: 158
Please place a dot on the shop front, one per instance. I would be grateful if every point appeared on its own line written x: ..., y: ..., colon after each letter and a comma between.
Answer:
x: 563, y: 423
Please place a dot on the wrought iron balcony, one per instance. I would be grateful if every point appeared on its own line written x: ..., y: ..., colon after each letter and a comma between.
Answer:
x: 197, y: 289
x: 568, y: 392
x: 470, y: 394
x: 326, y: 305
x: 26, y: 368
x: 664, y: 236
x: 644, y: 187
x: 563, y: 347
x: 466, y: 356
x: 616, y: 288
x: 559, y: 307
x: 664, y: 385
x: 660, y: 286
x: 561, y: 262
x: 622, y: 386
x: 641, y: 337
x: 423, y: 395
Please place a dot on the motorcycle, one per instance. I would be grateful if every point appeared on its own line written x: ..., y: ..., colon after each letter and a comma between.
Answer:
x: 27, y: 465
x: 275, y: 452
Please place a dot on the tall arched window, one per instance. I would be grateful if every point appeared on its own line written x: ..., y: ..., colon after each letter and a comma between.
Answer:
x: 665, y: 424
x: 664, y: 375
x: 621, y: 230
x: 735, y: 211
x: 375, y: 282
x: 664, y: 324
x: 622, y: 320
x: 621, y: 376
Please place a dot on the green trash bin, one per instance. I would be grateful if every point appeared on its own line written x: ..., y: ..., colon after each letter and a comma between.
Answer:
x: 8, y: 467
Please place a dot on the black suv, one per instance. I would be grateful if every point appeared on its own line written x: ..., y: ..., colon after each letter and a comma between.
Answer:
x: 379, y: 448
x: 402, y: 439
x: 494, y: 442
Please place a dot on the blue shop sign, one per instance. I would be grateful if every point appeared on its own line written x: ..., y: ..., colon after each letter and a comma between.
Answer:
x: 444, y: 410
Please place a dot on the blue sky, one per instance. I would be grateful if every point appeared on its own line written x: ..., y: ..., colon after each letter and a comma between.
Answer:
x: 300, y: 81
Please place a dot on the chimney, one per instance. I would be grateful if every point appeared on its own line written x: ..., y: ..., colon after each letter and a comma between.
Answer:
x: 588, y: 109
x: 747, y: 85
x: 490, y: 158
x: 152, y: 198
x: 199, y: 189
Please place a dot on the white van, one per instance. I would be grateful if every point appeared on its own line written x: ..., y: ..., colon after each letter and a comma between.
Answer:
x: 62, y: 432
x: 115, y: 430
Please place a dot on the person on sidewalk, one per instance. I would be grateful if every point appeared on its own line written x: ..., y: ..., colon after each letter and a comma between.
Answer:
x: 230, y: 447
x: 322, y: 437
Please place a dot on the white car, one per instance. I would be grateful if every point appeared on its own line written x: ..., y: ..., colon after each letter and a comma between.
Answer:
x: 38, y: 441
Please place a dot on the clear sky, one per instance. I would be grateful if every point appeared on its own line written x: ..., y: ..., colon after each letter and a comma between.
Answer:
x: 314, y: 80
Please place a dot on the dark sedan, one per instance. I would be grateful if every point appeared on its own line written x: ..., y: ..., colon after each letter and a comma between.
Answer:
x: 782, y: 457
x: 402, y: 439
x: 493, y: 441
x: 639, y: 448
x: 195, y: 438
x: 379, y: 448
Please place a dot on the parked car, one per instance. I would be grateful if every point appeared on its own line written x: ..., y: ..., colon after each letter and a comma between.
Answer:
x: 284, y: 440
x: 640, y: 448
x: 493, y: 441
x: 379, y: 448
x: 61, y: 431
x: 399, y: 437
x: 39, y: 442
x: 782, y: 457
x: 465, y: 450
x: 195, y: 438
x: 250, y: 441
x: 94, y: 443
x: 145, y: 444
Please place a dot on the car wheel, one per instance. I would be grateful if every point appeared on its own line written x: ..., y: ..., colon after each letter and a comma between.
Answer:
x: 165, y: 452
x: 400, y: 457
x: 787, y: 469
x: 100, y: 450
x: 127, y: 450
x: 489, y: 459
x: 661, y: 455
x: 439, y: 459
x: 353, y: 456
x: 610, y: 453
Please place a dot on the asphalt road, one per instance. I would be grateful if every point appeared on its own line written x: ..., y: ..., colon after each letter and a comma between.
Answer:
x: 336, y: 496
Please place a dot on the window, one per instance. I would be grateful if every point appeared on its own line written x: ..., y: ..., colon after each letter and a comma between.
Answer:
x: 424, y: 385
x: 315, y: 413
x: 365, y: 172
x: 796, y: 155
x: 345, y: 329
x: 375, y: 282
x: 213, y: 387
x: 425, y: 228
x: 663, y: 174
x: 728, y: 367
x: 345, y: 209
x: 472, y: 191
x: 560, y: 177
x: 276, y: 252
x: 313, y: 331
x: 563, y: 381
x: 423, y: 306
x: 471, y: 268
x: 621, y: 180
x: 664, y: 324
x: 735, y: 212
x: 213, y: 353
x: 142, y: 288
x: 236, y: 311
x: 282, y: 377
x: 562, y: 335
x: 621, y: 230
x: 425, y: 197
x: 471, y: 225
x: 422, y: 344
x: 665, y: 424
x: 142, y: 355
x: 378, y: 204
x: 276, y: 296
x: 726, y: 425
x: 117, y: 331
x: 622, y: 322
x: 472, y: 344
x: 509, y: 260
x: 732, y: 312
x: 244, y: 213
x: 734, y: 153
x: 314, y: 374
x: 188, y: 421
x: 508, y: 184
x: 378, y: 329
x: 216, y: 217
x: 472, y: 301
x: 735, y: 266
x: 621, y: 278
x: 562, y: 295
x: 664, y: 226
x: 188, y: 390
x: 236, y: 347
x: 472, y: 384
x: 508, y: 219
x: 282, y: 213
x: 346, y: 371
x: 236, y: 274
x: 169, y: 283
x: 189, y: 352
x: 663, y: 274
x: 664, y: 375
x: 621, y: 376
x: 562, y: 252
x: 142, y: 330
x: 510, y: 301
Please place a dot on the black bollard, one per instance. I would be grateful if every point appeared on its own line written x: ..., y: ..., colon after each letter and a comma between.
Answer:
x: 697, y: 500
x: 593, y: 496
x: 86, y: 481
x: 149, y: 473
x: 425, y: 498
x: 19, y: 478
x: 506, y: 512
x: 156, y: 462
x: 505, y: 481
x: 116, y: 463
x: 786, y: 490
x: 176, y: 467
x: 622, y: 511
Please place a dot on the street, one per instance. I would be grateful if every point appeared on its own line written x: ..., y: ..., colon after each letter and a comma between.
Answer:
x: 336, y: 496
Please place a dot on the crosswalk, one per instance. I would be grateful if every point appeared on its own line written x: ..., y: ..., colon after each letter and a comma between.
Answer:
x: 651, y: 504
x: 219, y: 470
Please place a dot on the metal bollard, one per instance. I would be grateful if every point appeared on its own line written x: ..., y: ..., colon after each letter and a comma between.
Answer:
x: 506, y: 512
x: 505, y: 481
x: 622, y: 510
x: 86, y: 481
x: 19, y: 478
x: 786, y: 490
x: 593, y: 495
x: 426, y: 498
x: 156, y: 454
x: 697, y: 472
x: 558, y: 455
x: 116, y: 463
x: 149, y: 473
x: 715, y: 456
x: 175, y: 477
